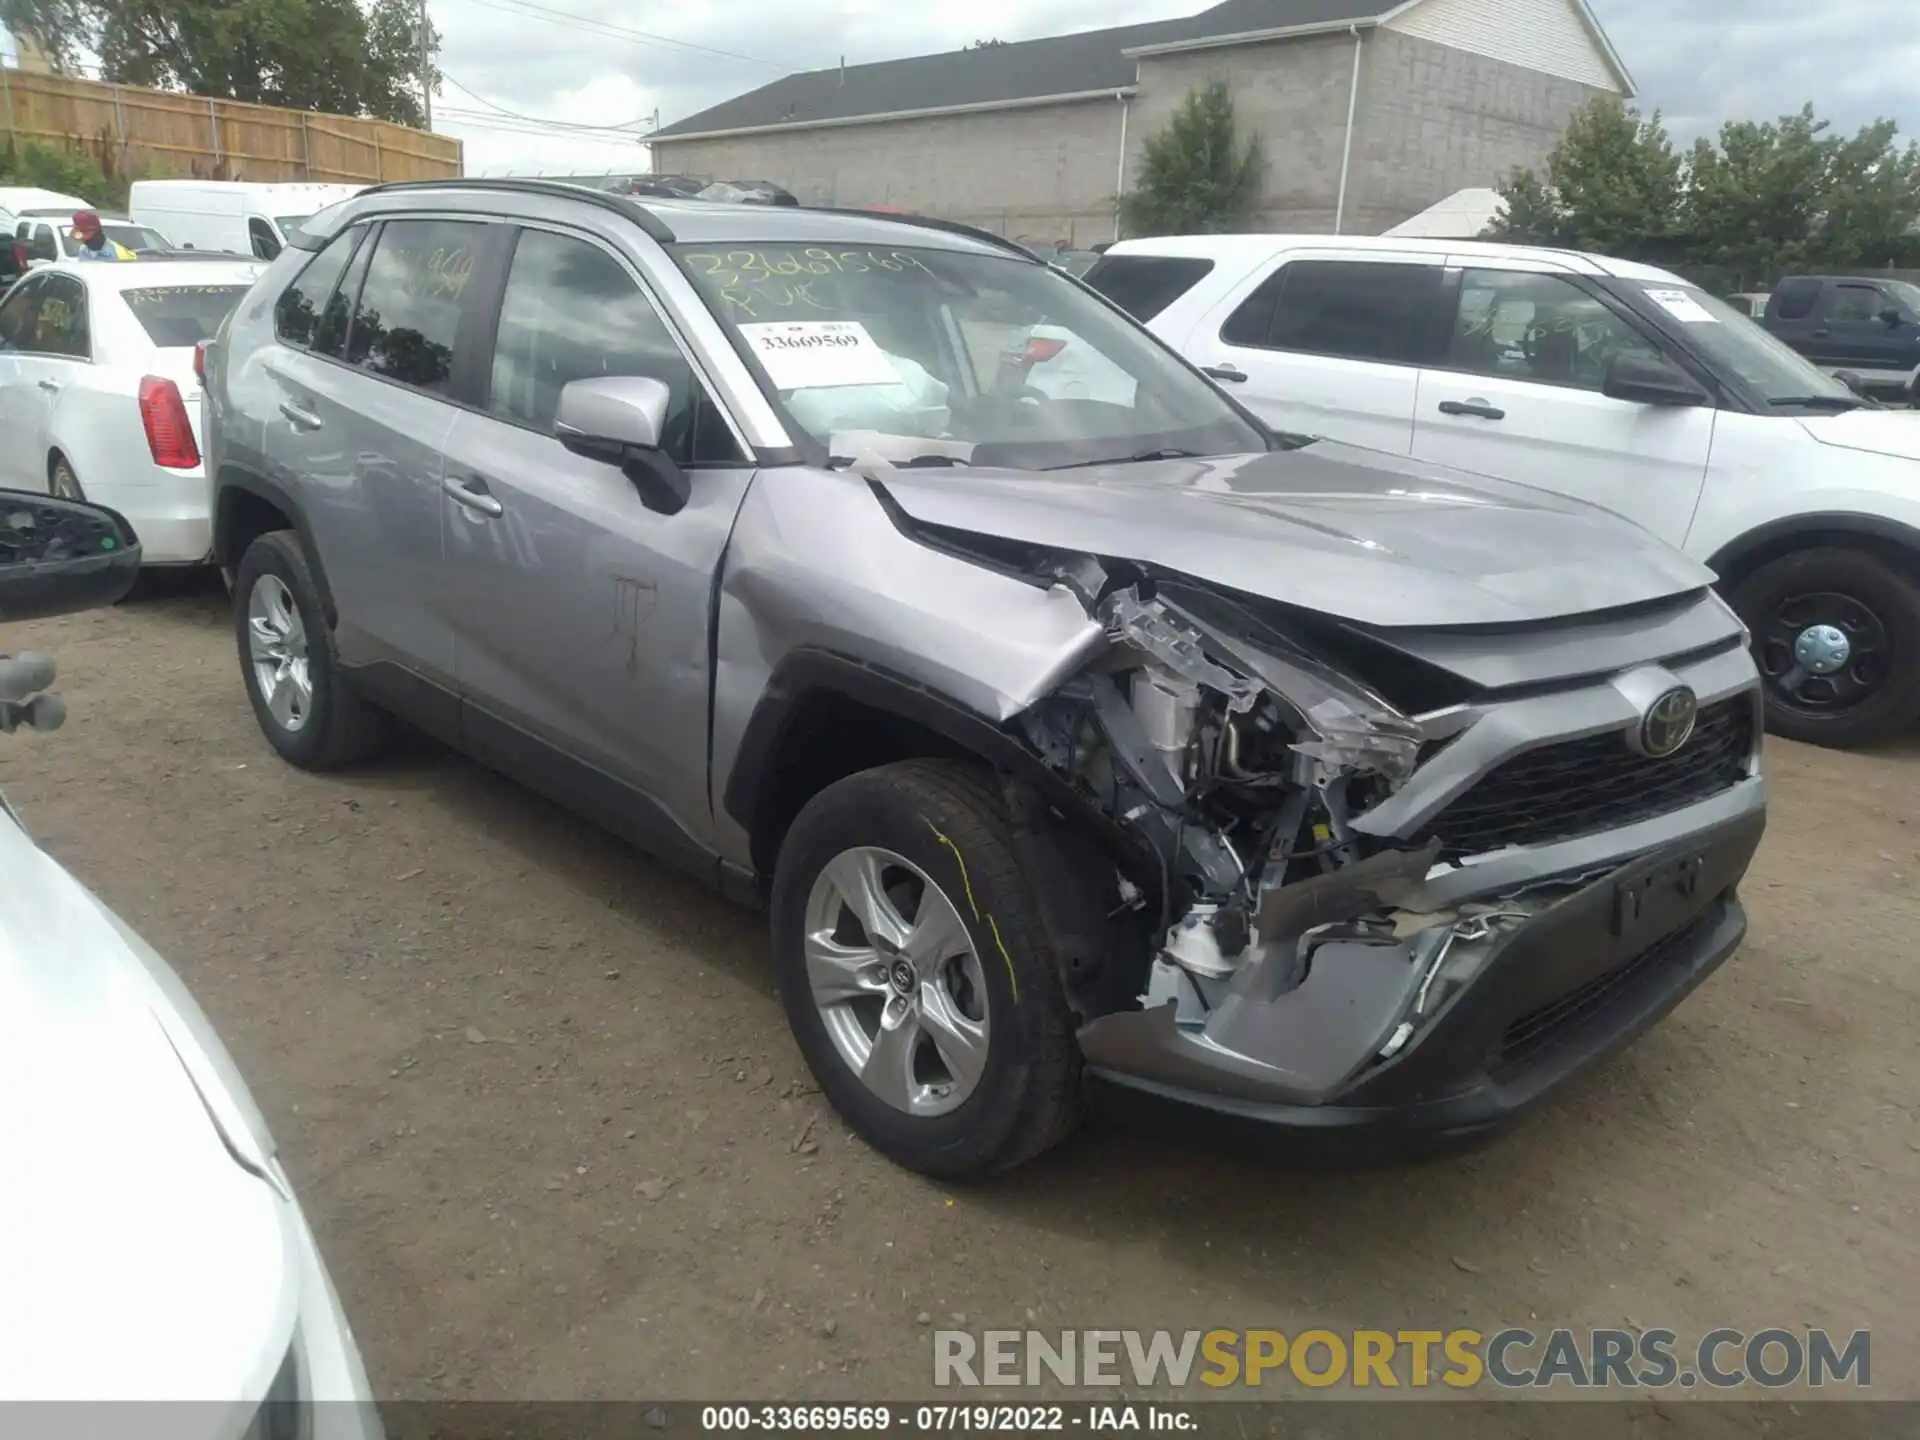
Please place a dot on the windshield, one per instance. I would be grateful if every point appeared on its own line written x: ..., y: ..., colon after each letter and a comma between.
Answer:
x: 1000, y: 360
x: 181, y: 316
x: 1906, y: 293
x: 290, y: 224
x: 1735, y: 343
x: 134, y: 237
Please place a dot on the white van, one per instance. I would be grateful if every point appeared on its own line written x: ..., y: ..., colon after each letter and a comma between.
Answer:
x: 239, y: 216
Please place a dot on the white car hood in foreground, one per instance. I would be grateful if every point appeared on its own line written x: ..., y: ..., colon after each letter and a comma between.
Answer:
x: 1878, y: 432
x: 140, y: 1260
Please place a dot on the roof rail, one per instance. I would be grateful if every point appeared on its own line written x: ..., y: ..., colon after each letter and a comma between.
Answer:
x: 622, y: 205
x: 929, y: 222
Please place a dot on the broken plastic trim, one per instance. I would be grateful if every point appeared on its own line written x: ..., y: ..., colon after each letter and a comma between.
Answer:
x: 1148, y: 626
x: 1353, y: 729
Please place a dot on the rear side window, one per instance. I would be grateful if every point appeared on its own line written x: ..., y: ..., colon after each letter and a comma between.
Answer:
x: 297, y: 312
x: 181, y: 316
x: 1144, y: 285
x: 1793, y: 300
x: 1353, y: 309
x: 414, y: 298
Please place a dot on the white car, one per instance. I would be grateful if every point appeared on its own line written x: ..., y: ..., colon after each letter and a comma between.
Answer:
x: 1609, y: 381
x: 99, y: 394
x: 155, y: 1249
x: 43, y: 236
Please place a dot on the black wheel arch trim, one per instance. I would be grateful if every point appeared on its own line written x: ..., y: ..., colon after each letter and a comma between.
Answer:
x: 1815, y: 528
x: 234, y: 479
x: 808, y: 672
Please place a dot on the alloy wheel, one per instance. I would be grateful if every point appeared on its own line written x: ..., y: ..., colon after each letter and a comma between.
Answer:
x: 277, y: 646
x: 896, y: 979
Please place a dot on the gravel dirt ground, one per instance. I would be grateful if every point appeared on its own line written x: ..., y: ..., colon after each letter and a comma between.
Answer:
x: 545, y: 1116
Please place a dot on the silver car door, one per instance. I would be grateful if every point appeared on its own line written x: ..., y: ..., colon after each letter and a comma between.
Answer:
x: 362, y: 408
x: 581, y: 614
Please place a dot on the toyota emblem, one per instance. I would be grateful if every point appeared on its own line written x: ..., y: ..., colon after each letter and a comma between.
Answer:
x: 1668, y: 723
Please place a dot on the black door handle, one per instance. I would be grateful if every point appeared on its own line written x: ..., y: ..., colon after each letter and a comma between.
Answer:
x: 1224, y: 372
x: 1472, y: 407
x: 1821, y: 334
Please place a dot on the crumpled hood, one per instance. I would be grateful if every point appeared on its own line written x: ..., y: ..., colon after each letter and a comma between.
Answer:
x: 142, y: 1262
x: 1376, y: 539
x: 1878, y: 432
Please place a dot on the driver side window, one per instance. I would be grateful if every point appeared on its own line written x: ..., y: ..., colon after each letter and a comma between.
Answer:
x: 1520, y: 326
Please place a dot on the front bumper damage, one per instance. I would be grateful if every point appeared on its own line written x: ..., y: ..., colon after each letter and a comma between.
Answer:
x: 1359, y: 1062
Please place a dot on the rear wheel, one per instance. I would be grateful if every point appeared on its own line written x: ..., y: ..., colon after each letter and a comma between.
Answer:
x: 916, y: 973
x: 1836, y: 634
x: 303, y: 702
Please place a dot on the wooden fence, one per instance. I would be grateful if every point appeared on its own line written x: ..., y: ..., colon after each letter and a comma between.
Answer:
x: 131, y: 131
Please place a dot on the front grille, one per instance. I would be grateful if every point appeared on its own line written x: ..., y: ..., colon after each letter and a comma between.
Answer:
x: 1525, y: 1036
x: 1586, y: 786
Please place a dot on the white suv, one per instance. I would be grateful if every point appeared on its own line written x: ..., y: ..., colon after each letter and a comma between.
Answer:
x: 1610, y: 381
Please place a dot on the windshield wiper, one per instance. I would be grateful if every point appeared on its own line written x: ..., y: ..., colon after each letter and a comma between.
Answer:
x: 1819, y: 402
x: 912, y: 462
x: 1139, y: 457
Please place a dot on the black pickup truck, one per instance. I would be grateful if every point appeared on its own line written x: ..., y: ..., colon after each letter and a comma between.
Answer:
x: 1866, y: 325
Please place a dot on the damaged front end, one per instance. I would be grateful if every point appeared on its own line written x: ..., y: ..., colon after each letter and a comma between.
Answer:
x: 1274, y: 953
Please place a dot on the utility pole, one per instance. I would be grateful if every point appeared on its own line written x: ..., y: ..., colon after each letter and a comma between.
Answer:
x: 426, y: 66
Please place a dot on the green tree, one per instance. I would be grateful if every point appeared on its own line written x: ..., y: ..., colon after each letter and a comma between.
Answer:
x: 1770, y: 199
x: 1737, y: 211
x: 1612, y: 184
x: 303, y: 54
x: 1196, y: 177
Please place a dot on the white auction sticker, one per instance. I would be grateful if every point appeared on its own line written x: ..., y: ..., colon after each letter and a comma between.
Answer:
x: 1682, y: 306
x: 816, y: 354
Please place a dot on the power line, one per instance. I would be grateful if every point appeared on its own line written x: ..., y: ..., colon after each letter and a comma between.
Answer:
x: 499, y: 109
x: 607, y: 27
x: 482, y: 120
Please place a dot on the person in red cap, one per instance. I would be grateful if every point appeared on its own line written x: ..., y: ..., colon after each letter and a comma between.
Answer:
x: 93, y: 242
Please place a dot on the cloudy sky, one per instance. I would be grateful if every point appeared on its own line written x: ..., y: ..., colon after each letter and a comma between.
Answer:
x: 559, y: 85
x: 578, y: 64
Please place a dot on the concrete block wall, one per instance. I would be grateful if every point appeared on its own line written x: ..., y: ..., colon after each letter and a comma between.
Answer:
x: 1433, y: 120
x: 1291, y: 93
x: 1040, y: 173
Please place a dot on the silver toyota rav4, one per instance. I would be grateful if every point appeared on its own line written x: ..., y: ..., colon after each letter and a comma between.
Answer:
x: 1078, y: 749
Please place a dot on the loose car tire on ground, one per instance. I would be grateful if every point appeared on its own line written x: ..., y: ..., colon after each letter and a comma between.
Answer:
x: 305, y: 707
x: 1871, y: 603
x: 927, y: 832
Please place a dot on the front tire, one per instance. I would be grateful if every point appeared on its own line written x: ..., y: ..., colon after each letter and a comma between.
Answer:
x: 1836, y: 634
x: 917, y: 975
x: 305, y: 707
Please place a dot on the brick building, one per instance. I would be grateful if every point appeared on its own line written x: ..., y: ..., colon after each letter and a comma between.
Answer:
x: 1370, y: 111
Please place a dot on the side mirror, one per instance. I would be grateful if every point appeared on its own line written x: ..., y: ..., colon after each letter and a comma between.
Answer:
x: 1651, y: 380
x: 1890, y: 317
x: 619, y: 419
x: 58, y: 556
x: 1852, y: 380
